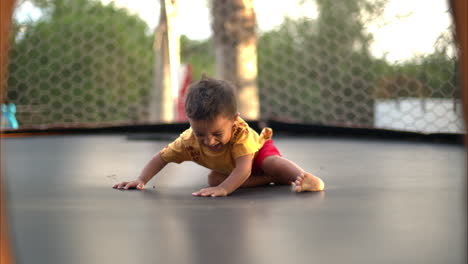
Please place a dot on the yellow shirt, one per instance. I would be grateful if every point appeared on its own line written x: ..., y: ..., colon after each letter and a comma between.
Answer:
x: 244, y: 141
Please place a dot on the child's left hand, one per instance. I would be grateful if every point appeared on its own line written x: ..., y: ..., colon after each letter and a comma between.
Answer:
x: 211, y: 191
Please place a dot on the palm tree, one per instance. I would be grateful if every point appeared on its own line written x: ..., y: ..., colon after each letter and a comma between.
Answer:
x: 234, y: 24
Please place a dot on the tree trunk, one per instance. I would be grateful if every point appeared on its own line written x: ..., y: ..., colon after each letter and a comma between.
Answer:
x: 167, y: 48
x: 234, y: 24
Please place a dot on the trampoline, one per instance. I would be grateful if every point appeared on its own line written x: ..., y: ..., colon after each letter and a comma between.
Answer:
x: 386, y: 201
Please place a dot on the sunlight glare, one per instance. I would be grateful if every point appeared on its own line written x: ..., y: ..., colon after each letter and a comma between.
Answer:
x: 409, y: 29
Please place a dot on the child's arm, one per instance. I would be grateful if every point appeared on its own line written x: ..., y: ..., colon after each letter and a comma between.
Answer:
x: 237, y: 177
x: 155, y: 165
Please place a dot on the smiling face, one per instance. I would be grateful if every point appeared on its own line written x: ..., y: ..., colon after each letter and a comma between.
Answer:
x: 213, y: 134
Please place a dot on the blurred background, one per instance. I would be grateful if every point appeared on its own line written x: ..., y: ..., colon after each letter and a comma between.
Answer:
x: 385, y: 64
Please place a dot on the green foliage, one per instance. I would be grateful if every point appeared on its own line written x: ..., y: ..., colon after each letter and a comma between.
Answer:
x: 199, y: 54
x: 82, y: 62
x: 436, y: 73
x: 324, y: 66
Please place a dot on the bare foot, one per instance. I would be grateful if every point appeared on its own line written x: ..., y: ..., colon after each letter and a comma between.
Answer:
x: 307, y: 183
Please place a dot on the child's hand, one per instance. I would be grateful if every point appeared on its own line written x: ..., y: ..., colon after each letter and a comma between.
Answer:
x: 136, y: 184
x: 211, y: 191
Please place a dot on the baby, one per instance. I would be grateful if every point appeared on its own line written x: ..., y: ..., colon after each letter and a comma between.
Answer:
x: 221, y: 141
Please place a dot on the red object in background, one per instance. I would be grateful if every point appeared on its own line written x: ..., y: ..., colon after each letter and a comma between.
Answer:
x: 184, y: 85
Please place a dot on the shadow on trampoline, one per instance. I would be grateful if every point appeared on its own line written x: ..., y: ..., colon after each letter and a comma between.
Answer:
x: 270, y: 194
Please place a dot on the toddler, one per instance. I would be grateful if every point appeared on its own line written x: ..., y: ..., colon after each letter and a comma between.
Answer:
x: 221, y: 141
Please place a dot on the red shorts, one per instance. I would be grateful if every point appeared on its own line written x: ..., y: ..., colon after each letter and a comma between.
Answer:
x: 268, y: 149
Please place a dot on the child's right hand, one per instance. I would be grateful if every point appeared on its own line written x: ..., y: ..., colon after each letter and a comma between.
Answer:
x: 135, y: 184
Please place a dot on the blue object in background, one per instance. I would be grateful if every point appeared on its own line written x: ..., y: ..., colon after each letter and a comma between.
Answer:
x: 8, y: 116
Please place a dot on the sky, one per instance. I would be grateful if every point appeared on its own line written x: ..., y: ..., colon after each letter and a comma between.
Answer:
x: 406, y: 29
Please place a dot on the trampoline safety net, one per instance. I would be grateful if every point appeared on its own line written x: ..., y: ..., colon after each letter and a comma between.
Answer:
x: 359, y: 63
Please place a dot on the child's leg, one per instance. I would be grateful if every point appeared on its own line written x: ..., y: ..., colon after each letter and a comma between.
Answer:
x: 216, y: 178
x: 284, y: 171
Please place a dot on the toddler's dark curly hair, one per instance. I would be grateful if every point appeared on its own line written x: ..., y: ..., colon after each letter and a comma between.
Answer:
x: 208, y: 98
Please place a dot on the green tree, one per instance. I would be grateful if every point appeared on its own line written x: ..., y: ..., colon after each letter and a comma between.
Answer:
x: 81, y: 62
x: 199, y: 54
x: 320, y: 68
x: 437, y: 71
x: 433, y: 75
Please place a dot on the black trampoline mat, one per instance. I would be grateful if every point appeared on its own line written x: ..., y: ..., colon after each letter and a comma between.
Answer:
x: 385, y: 202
